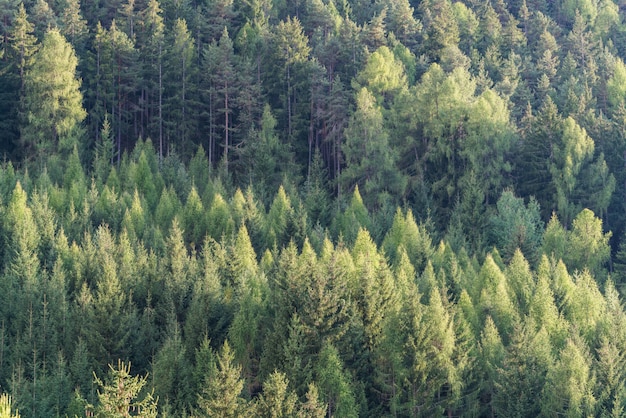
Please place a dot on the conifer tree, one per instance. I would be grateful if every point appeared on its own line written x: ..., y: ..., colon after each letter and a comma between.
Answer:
x: 313, y: 407
x: 588, y: 245
x: 276, y: 400
x: 194, y: 219
x: 44, y: 17
x: 225, y: 84
x: 292, y: 51
x: 151, y: 36
x: 23, y: 41
x: 117, y: 396
x: 73, y: 25
x: 523, y: 374
x: 370, y: 160
x: 104, y: 152
x: 569, y: 384
x: 243, y: 264
x: 6, y: 410
x: 334, y: 384
x: 179, y: 68
x: 221, y: 395
x: 516, y: 226
x: 492, y: 353
x: 170, y: 372
x: 52, y: 106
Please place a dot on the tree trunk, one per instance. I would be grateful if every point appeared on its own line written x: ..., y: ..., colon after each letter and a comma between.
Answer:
x: 226, y: 144
x: 160, y: 107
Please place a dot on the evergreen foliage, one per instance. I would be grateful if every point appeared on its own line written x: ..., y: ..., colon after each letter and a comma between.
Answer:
x: 310, y: 209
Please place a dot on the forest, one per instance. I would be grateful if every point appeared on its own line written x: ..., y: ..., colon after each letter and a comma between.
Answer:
x: 312, y: 208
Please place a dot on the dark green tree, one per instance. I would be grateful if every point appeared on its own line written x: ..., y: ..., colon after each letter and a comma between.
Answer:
x: 179, y: 74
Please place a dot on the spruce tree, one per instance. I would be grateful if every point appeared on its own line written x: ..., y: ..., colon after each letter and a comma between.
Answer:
x: 221, y: 396
x: 118, y: 395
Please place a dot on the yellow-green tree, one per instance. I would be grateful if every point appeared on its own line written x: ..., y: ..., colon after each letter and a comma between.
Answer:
x: 118, y: 396
x: 52, y: 103
x: 221, y: 396
x: 5, y: 407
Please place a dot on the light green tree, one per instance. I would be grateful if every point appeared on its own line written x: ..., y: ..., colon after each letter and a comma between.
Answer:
x: 221, y: 395
x: 491, y: 356
x: 569, y: 384
x: 5, y: 407
x: 52, y: 103
x: 370, y: 158
x: 334, y: 383
x: 117, y: 396
x: 406, y: 233
x: 277, y: 401
x: 383, y: 75
x: 516, y: 225
x: 588, y: 245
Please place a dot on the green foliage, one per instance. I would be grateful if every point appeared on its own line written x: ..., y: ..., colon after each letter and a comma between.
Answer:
x: 117, y: 396
x: 276, y: 400
x: 5, y: 407
x: 334, y: 384
x: 414, y: 239
x: 53, y: 109
x: 569, y: 384
x: 383, y: 75
x: 371, y: 161
x: 588, y: 244
x: 221, y: 394
x: 371, y: 250
x: 516, y: 226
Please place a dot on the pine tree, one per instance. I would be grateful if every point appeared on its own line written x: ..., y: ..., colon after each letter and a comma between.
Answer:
x: 277, y: 221
x: 113, y: 311
x: 516, y: 226
x: 313, y: 407
x: 170, y: 372
x: 194, y: 221
x: 151, y: 34
x: 523, y: 374
x: 220, y: 223
x: 491, y: 357
x: 292, y: 49
x: 243, y: 262
x: 266, y: 158
x: 104, y: 152
x: 43, y: 17
x: 588, y: 245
